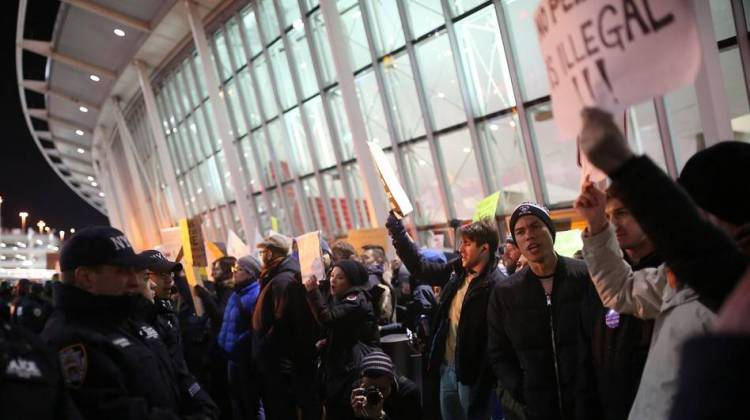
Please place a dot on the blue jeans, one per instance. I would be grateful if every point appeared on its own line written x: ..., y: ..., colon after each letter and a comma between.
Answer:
x: 455, y: 397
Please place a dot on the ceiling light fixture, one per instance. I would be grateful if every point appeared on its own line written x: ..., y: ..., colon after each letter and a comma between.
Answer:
x: 83, y: 109
x: 119, y: 32
x: 94, y: 184
x: 79, y: 132
x: 81, y: 151
x: 94, y: 78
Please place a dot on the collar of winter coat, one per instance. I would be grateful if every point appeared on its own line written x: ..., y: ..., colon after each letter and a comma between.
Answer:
x: 279, y: 266
x: 675, y: 297
x: 76, y: 302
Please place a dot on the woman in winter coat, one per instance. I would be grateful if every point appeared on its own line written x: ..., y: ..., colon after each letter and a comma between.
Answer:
x: 351, y: 330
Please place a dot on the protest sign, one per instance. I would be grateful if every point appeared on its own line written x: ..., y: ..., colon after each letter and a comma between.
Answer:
x: 487, y: 207
x: 614, y: 53
x: 310, y: 256
x: 194, y: 256
x: 361, y: 237
x: 236, y: 247
x: 393, y: 189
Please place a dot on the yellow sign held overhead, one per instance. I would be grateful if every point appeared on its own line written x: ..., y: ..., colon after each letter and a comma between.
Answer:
x: 487, y: 207
x: 194, y: 257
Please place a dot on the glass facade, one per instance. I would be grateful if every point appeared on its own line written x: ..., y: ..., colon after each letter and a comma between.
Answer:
x: 458, y: 102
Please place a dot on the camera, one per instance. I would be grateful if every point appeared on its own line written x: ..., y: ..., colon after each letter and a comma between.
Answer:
x: 373, y: 395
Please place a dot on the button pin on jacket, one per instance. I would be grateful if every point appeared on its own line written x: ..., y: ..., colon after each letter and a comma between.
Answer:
x: 612, y: 319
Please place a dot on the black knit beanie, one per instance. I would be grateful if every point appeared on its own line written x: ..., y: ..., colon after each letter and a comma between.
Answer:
x: 355, y: 272
x: 718, y: 180
x: 531, y: 209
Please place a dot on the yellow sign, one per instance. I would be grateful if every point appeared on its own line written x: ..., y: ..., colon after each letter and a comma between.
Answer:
x: 194, y: 257
x: 487, y: 207
x: 274, y: 224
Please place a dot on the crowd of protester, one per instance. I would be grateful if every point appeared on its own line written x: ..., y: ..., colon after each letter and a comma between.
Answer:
x: 650, y: 321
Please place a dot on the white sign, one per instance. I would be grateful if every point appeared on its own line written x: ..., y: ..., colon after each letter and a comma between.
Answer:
x: 235, y: 246
x: 310, y: 256
x: 393, y: 189
x: 614, y: 53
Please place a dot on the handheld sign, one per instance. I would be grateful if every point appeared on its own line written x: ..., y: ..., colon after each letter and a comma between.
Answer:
x: 487, y: 207
x: 235, y: 246
x: 393, y: 189
x: 614, y: 53
x: 310, y: 257
x: 194, y: 257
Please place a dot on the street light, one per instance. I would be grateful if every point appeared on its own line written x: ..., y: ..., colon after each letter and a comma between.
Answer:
x: 23, y: 216
x: 62, y: 235
x: 40, y: 224
x: 72, y: 231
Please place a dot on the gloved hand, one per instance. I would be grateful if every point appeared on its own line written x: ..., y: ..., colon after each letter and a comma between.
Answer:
x: 602, y: 141
x: 394, y: 225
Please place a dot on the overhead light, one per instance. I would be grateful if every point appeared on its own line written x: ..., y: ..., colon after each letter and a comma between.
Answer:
x: 79, y: 132
x: 94, y: 184
x: 83, y: 109
x: 119, y: 32
x: 101, y: 194
x: 494, y: 127
x: 90, y: 178
x: 81, y: 151
x: 94, y: 78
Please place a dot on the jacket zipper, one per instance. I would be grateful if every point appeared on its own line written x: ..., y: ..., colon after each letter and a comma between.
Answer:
x: 554, y: 354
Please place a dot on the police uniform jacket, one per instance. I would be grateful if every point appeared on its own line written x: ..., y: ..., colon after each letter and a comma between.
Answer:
x: 115, y: 367
x: 31, y: 386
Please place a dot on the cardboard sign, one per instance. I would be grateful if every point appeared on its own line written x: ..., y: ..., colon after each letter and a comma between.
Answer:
x: 171, y: 241
x: 393, y: 190
x: 310, y: 256
x: 361, y: 237
x: 235, y: 246
x: 614, y: 53
x: 487, y: 207
x: 193, y: 257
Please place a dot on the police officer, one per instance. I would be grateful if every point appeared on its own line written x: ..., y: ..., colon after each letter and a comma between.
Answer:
x: 32, y: 310
x: 31, y: 386
x: 351, y: 332
x: 114, y: 366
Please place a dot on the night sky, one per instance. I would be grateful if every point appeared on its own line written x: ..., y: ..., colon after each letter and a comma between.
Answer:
x: 27, y: 183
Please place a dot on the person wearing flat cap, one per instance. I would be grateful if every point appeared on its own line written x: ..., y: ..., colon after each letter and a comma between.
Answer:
x: 114, y: 365
x: 284, y: 335
x: 382, y: 393
x: 533, y: 319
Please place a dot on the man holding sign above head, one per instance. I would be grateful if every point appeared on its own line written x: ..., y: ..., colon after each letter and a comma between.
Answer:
x: 457, y: 358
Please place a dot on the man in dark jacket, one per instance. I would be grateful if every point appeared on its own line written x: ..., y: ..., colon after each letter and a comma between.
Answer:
x: 382, y: 393
x: 614, y: 346
x: 284, y: 335
x: 458, y: 350
x: 113, y: 366
x: 32, y: 310
x: 31, y: 386
x: 533, y: 320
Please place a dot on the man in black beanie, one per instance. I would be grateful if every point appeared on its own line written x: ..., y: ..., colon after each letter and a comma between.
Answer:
x: 533, y: 318
x: 383, y: 393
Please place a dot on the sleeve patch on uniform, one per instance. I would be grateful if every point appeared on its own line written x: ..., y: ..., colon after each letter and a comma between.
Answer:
x: 74, y: 363
x: 194, y: 388
x: 351, y: 298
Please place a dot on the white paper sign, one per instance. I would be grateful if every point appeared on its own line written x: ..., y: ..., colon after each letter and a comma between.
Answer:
x: 310, y: 256
x: 393, y: 189
x: 614, y: 53
x: 236, y: 247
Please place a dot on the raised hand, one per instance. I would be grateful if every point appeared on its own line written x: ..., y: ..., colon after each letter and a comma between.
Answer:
x: 602, y: 141
x: 590, y: 205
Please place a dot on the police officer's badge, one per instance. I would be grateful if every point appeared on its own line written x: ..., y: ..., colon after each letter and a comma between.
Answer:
x: 74, y: 364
